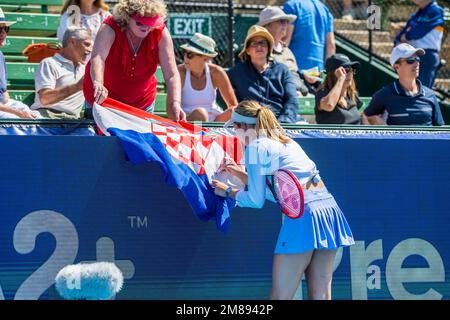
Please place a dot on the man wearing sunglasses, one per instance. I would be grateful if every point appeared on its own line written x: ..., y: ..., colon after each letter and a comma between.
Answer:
x: 9, y: 108
x: 406, y: 101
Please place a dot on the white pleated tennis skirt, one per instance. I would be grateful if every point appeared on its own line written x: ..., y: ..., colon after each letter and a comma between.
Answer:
x: 322, y: 226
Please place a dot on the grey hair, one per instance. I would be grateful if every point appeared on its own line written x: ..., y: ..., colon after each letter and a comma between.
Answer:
x: 77, y: 33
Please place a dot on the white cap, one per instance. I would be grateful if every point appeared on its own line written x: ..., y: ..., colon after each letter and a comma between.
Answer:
x: 404, y: 51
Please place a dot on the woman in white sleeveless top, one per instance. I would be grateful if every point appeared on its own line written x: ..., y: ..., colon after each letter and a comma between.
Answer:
x: 200, y: 79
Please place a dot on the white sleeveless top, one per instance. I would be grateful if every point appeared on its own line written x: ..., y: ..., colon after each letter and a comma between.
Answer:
x: 192, y: 99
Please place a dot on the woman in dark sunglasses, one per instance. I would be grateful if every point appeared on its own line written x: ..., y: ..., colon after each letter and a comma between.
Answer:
x: 200, y: 79
x: 337, y: 100
x: 4, y: 27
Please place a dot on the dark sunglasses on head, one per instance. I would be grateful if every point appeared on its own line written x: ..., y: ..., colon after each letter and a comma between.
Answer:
x: 4, y: 28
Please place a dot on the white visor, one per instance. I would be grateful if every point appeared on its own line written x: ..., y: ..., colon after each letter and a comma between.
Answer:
x: 236, y: 117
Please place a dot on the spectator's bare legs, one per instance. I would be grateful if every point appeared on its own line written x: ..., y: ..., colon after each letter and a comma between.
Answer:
x: 199, y: 114
x: 287, y: 272
x: 225, y: 116
x: 319, y: 274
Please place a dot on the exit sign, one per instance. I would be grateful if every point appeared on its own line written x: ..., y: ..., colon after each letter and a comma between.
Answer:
x: 185, y: 25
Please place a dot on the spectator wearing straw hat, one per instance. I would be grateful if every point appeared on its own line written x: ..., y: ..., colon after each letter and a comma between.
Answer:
x: 258, y: 77
x: 200, y: 79
x: 9, y: 108
x: 276, y: 22
x: 406, y: 101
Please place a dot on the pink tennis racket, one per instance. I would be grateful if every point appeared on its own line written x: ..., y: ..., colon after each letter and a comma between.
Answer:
x: 288, y: 192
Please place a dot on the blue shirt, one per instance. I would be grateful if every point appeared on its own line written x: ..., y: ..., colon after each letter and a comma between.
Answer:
x: 424, y: 28
x: 404, y: 109
x: 273, y: 88
x: 3, y: 76
x: 314, y: 21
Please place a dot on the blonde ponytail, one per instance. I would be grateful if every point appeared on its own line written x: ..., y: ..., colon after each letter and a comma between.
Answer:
x: 266, y: 122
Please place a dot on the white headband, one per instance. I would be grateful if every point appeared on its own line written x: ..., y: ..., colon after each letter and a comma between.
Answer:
x: 236, y: 117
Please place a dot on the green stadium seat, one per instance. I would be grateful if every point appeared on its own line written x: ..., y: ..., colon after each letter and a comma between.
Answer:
x: 43, y: 3
x: 20, y: 8
x: 21, y: 75
x: 306, y: 105
x: 15, y: 58
x: 14, y: 45
x: 160, y: 79
x: 35, y: 24
x: 26, y: 96
x: 21, y: 84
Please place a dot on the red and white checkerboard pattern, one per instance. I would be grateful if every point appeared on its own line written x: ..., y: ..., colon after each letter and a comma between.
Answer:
x: 201, y: 151
x: 197, y: 147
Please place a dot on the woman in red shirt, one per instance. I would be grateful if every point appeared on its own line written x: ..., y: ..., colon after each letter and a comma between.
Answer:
x: 128, y: 48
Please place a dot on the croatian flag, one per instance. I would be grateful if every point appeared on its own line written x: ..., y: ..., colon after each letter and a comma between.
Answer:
x: 188, y: 155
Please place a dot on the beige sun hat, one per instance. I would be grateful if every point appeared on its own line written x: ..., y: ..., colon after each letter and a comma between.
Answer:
x: 271, y: 14
x: 201, y: 44
x: 3, y: 20
x: 257, y: 31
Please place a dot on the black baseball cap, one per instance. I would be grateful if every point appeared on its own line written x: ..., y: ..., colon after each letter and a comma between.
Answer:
x: 339, y: 60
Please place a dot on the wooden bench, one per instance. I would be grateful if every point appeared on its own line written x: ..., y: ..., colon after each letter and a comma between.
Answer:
x: 42, y: 3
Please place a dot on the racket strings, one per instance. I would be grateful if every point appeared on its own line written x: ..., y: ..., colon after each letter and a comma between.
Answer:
x: 288, y: 193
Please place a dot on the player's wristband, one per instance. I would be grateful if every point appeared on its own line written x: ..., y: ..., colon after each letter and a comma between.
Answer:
x: 228, y: 192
